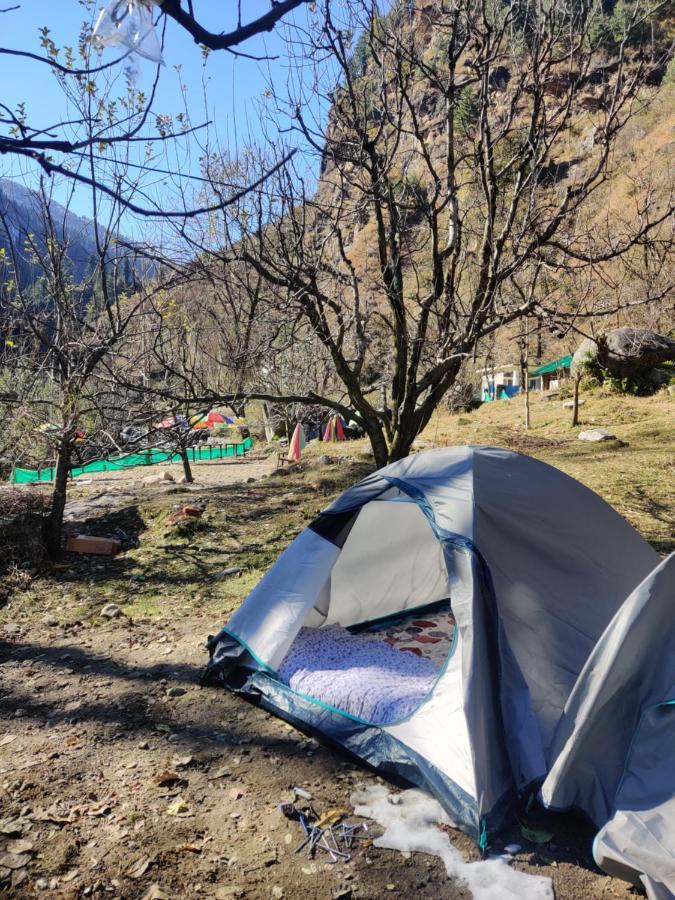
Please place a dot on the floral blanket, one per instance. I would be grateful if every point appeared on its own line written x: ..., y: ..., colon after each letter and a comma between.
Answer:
x: 380, y: 675
x: 430, y: 635
x: 357, y: 673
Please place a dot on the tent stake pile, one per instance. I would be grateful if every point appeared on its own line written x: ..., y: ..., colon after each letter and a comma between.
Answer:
x: 326, y: 833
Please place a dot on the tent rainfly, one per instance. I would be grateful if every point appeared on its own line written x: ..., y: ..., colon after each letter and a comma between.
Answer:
x: 298, y: 442
x: 559, y: 675
x: 334, y: 430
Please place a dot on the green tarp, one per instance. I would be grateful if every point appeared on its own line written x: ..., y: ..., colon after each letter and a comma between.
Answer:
x: 565, y: 362
x: 144, y: 458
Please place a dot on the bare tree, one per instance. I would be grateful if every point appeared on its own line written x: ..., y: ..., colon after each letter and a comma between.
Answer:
x: 62, y: 330
x: 449, y: 184
x: 57, y: 146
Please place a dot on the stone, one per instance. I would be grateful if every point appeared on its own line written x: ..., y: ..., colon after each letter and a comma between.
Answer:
x: 51, y: 621
x: 159, y: 478
x: 225, y: 892
x: 182, y: 762
x: 277, y: 892
x: 111, y: 611
x: 586, y: 354
x: 226, y: 573
x: 176, y: 692
x: 596, y: 434
x: 624, y: 352
x: 569, y: 404
x: 11, y: 628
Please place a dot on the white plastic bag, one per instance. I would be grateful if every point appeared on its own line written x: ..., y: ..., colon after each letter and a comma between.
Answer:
x: 128, y: 23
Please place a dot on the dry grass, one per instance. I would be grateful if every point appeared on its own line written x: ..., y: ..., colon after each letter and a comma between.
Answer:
x: 181, y: 572
x: 186, y: 569
x: 635, y: 474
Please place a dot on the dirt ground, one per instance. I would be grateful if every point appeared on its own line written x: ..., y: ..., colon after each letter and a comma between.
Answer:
x: 95, y: 751
x: 105, y: 732
x: 227, y: 471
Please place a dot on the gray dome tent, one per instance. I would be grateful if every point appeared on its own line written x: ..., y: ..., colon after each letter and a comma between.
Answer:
x: 535, y: 567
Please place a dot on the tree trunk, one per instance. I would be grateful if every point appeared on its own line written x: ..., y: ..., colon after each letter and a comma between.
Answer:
x: 267, y: 423
x: 525, y: 372
x: 527, y: 401
x: 53, y: 526
x: 525, y: 383
x: 186, y: 465
x: 401, y: 445
x: 379, y: 446
x: 575, y: 406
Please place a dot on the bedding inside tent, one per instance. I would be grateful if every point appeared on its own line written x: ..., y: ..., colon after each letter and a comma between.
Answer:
x: 379, y: 675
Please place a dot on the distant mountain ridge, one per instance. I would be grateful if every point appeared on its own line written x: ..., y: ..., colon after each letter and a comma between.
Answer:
x: 22, y: 210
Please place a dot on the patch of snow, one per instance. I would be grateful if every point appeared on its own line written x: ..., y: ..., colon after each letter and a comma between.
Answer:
x: 513, y: 849
x: 412, y: 825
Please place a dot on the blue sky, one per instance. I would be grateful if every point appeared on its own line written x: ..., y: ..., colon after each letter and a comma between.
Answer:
x: 235, y: 86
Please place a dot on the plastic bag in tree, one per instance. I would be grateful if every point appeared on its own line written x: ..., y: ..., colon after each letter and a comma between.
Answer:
x: 128, y: 23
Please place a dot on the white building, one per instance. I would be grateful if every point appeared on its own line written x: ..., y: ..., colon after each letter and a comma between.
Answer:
x: 499, y: 381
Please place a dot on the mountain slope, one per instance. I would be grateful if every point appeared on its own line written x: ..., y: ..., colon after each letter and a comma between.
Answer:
x: 23, y: 214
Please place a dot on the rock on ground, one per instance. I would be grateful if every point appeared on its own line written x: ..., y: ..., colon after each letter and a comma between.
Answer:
x: 596, y: 434
x: 623, y: 352
x: 111, y: 611
x: 159, y: 478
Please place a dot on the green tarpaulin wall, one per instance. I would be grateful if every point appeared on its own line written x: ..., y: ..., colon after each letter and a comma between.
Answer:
x: 563, y: 363
x: 144, y: 458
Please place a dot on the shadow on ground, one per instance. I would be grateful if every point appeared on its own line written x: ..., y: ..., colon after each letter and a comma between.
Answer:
x: 214, y: 721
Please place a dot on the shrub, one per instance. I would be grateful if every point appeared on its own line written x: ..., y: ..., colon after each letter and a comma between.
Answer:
x: 589, y: 381
x: 21, y: 518
x: 566, y: 389
x: 669, y: 77
x: 461, y: 397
